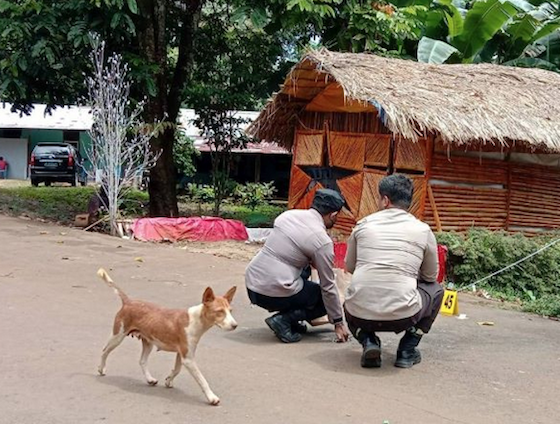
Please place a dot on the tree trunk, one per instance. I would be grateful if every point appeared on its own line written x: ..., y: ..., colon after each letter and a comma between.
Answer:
x: 152, y: 39
x: 162, y: 187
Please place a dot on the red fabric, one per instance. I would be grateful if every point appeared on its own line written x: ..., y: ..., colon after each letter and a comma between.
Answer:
x: 340, y: 253
x: 191, y: 229
x: 442, y: 260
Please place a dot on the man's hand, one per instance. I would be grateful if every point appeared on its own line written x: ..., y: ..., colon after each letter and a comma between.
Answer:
x: 341, y: 332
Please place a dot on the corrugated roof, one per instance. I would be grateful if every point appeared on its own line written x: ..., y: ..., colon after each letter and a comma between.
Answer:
x: 79, y: 118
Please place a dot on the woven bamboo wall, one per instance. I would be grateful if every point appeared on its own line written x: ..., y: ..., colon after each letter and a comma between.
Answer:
x: 462, y: 192
x: 534, y: 197
x: 365, y: 159
x: 459, y: 202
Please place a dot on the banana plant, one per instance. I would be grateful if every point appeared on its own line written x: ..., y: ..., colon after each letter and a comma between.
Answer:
x: 480, y: 25
x: 511, y: 32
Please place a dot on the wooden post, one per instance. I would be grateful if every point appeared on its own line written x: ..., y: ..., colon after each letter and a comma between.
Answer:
x: 508, y: 195
x: 427, y: 175
x: 291, y: 201
x: 434, y: 207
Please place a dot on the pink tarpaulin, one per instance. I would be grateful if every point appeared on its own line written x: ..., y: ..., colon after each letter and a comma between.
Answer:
x: 191, y: 229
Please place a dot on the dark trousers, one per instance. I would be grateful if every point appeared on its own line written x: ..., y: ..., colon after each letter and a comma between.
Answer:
x: 432, y: 296
x: 308, y: 299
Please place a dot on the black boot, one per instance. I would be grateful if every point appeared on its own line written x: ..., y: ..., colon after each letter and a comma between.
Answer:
x: 282, y: 325
x: 407, y: 354
x: 297, y: 318
x: 371, y: 356
x: 299, y: 327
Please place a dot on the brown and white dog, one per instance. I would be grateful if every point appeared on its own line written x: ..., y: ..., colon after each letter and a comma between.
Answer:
x: 171, y: 330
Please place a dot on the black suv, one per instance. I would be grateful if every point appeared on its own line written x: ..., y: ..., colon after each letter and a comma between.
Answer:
x: 56, y: 162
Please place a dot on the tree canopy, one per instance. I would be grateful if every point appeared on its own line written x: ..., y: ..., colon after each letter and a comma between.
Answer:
x: 227, y: 55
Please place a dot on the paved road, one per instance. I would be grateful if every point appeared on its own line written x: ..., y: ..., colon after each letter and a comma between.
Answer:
x: 55, y: 316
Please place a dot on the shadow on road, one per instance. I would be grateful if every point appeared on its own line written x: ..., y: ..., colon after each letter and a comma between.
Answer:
x: 140, y: 387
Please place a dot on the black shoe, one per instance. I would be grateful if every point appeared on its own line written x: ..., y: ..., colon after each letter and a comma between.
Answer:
x: 371, y: 356
x: 299, y: 327
x: 282, y: 328
x: 408, y: 358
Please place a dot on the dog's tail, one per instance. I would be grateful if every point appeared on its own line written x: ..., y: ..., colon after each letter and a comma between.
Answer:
x: 103, y: 275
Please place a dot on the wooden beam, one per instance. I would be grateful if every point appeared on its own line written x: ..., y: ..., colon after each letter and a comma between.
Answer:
x: 427, y: 175
x: 434, y: 208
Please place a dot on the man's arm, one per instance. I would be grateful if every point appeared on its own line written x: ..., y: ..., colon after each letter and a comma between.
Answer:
x: 429, y: 269
x: 323, y: 261
x: 351, y: 253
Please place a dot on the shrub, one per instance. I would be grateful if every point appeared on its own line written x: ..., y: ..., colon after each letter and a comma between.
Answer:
x: 548, y: 305
x: 480, y: 252
x: 62, y: 204
x: 200, y: 193
x: 184, y: 153
x: 254, y: 194
x: 261, y: 216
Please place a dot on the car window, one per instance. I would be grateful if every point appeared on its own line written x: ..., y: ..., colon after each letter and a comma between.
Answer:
x: 52, y: 150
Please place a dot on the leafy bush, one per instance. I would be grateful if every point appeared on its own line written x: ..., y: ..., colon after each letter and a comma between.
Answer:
x: 260, y: 216
x: 184, y: 153
x: 250, y: 194
x: 481, y: 252
x: 548, y: 305
x: 254, y: 194
x: 201, y: 193
x: 62, y: 204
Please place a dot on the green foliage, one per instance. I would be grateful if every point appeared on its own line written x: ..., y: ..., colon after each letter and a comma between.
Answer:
x: 251, y: 195
x: 261, y: 216
x: 513, y: 33
x: 62, y: 204
x: 254, y: 194
x: 200, y: 193
x: 481, y: 252
x: 548, y: 305
x: 45, y: 47
x: 184, y: 153
x: 481, y: 24
x: 434, y: 51
x: 382, y: 27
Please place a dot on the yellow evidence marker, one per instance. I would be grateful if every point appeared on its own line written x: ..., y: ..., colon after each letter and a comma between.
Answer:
x: 450, y: 304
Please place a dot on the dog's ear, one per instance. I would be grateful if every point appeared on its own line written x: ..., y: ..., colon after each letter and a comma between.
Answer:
x: 208, y: 295
x: 230, y: 293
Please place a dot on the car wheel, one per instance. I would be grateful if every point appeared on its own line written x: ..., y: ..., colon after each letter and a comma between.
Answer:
x: 34, y: 182
x: 47, y: 183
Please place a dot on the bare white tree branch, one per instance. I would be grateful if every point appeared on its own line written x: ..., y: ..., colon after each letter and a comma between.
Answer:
x: 120, y: 149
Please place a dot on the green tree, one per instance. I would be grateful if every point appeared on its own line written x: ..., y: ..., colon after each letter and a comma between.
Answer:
x: 184, y: 153
x: 246, y: 65
x: 45, y: 56
x: 45, y: 50
x: 391, y: 28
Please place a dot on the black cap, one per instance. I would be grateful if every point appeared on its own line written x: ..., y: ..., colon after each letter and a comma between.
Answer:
x: 327, y: 201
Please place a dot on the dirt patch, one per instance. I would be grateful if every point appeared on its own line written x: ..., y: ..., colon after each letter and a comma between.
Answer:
x: 225, y: 249
x: 14, y: 183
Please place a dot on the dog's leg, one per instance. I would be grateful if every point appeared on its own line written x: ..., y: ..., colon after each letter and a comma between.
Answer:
x: 190, y: 364
x: 146, y: 350
x: 174, y: 372
x: 113, y: 343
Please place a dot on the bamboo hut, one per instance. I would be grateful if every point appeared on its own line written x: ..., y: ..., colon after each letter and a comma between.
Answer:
x: 480, y: 142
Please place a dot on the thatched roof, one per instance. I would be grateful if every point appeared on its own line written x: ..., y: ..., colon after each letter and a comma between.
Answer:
x: 461, y: 103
